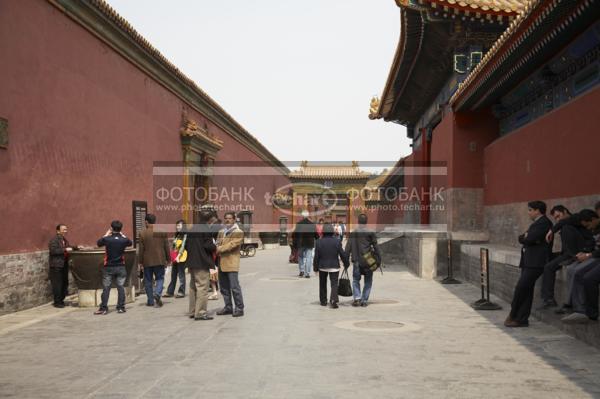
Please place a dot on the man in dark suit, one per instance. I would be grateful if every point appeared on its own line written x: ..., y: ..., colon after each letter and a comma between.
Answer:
x: 535, y: 253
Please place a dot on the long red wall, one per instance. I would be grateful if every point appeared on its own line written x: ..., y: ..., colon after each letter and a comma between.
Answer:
x: 85, y: 126
x: 556, y: 156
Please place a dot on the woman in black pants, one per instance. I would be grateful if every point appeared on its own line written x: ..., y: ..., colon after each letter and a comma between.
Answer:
x: 178, y: 267
x: 328, y: 253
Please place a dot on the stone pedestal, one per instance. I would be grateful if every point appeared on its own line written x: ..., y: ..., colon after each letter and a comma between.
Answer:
x: 271, y: 246
x: 93, y: 298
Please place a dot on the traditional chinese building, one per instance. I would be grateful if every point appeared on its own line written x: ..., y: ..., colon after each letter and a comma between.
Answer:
x: 92, y: 120
x: 329, y: 191
x: 500, y: 98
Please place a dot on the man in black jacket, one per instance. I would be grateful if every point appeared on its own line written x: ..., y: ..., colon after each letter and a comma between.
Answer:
x: 586, y: 279
x: 305, y: 235
x: 115, y: 243
x: 361, y: 241
x: 535, y: 253
x: 328, y: 253
x: 573, y: 240
x: 58, y: 270
x: 200, y: 247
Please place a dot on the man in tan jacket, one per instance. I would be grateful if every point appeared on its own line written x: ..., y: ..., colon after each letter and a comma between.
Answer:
x: 229, y: 241
x: 153, y: 255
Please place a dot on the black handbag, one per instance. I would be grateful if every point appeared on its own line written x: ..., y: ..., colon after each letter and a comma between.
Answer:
x: 344, y: 284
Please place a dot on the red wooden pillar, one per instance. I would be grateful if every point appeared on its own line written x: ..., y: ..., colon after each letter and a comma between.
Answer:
x: 425, y: 176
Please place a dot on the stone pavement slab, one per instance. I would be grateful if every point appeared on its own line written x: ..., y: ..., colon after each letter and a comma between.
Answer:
x: 417, y: 339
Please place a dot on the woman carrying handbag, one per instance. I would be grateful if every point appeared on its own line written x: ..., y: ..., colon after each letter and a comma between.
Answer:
x: 328, y: 254
x: 178, y: 257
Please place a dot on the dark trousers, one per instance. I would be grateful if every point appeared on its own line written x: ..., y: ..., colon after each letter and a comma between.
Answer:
x: 591, y: 280
x: 577, y: 291
x: 156, y: 274
x: 59, y: 279
x: 230, y: 287
x: 119, y: 275
x: 549, y: 279
x: 523, y: 297
x: 333, y: 278
x: 177, y: 270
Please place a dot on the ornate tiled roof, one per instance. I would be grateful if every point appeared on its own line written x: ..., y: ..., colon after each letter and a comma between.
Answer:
x: 507, y: 6
x: 500, y: 65
x: 502, y: 40
x: 329, y: 171
x: 409, y: 89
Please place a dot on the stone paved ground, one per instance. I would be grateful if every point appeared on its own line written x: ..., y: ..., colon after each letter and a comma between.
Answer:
x: 289, y: 346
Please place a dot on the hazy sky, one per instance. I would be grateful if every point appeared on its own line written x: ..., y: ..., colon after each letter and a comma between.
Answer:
x: 298, y: 75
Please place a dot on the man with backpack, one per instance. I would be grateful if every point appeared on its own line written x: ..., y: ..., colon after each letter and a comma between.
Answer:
x: 362, y: 245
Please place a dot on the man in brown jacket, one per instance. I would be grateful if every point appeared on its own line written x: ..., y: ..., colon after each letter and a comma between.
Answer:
x: 153, y: 255
x: 229, y: 241
x: 58, y: 272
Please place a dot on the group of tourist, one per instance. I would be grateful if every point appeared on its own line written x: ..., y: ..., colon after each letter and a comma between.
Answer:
x: 580, y: 254
x: 209, y: 250
x: 319, y: 246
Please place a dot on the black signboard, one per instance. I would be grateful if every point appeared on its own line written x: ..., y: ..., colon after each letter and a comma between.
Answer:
x: 140, y: 210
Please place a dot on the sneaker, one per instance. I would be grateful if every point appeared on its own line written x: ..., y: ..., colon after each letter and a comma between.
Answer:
x: 158, y: 301
x: 180, y: 295
x: 204, y: 317
x: 149, y: 304
x: 167, y: 295
x: 238, y: 313
x: 307, y: 276
x: 575, y: 318
x: 101, y: 312
x: 334, y: 305
x: 355, y: 303
x: 213, y: 297
x: 301, y: 274
x: 121, y: 310
x: 364, y: 304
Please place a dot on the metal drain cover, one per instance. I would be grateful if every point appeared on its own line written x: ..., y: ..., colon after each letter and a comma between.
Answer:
x: 383, y: 326
x: 378, y: 325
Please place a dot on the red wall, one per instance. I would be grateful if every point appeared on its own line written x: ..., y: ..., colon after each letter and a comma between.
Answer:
x: 472, y: 133
x: 85, y: 126
x: 452, y: 143
x: 556, y: 156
